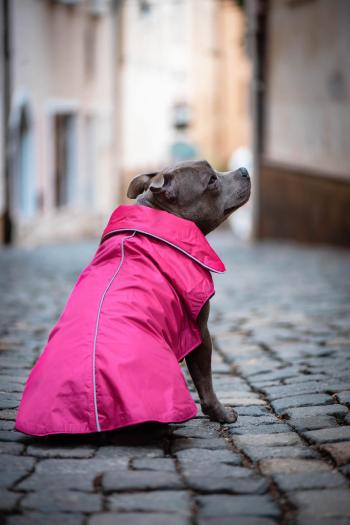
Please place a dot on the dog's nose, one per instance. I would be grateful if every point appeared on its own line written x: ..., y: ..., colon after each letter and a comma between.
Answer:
x: 244, y: 172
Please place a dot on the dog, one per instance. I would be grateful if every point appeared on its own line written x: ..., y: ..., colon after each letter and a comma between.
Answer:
x: 195, y: 191
x: 138, y: 309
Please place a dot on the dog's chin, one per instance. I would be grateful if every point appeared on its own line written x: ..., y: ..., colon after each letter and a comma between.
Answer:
x: 238, y: 204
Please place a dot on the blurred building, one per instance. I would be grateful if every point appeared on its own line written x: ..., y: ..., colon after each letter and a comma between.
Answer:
x: 301, y: 84
x: 184, y: 83
x: 62, y: 148
x: 97, y: 91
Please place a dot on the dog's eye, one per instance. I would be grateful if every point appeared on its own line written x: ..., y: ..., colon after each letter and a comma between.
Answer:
x: 212, y: 180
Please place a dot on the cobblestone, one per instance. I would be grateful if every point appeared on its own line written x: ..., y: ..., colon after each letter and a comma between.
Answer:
x: 156, y: 501
x: 42, y: 451
x: 199, y: 456
x: 8, y: 500
x: 257, y: 453
x: 244, y: 421
x: 157, y: 464
x: 279, y: 405
x: 222, y: 505
x: 202, y: 469
x: 11, y: 448
x: 140, y: 480
x: 63, y: 501
x: 329, y: 435
x: 300, y: 412
x: 39, y: 518
x: 344, y: 397
x: 133, y: 518
x: 322, y: 503
x: 13, y: 468
x: 268, y: 440
x: 340, y: 452
x: 183, y: 443
x: 243, y: 520
x: 309, y: 480
x: 38, y: 482
x: 228, y: 485
x: 301, y: 424
x: 260, y: 429
x: 280, y: 322
x: 292, y: 466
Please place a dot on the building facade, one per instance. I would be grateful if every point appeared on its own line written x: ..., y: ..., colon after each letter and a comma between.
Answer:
x: 302, y: 118
x: 184, y: 83
x: 62, y: 144
x: 102, y: 90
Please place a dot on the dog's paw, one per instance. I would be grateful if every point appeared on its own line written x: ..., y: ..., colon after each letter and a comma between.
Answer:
x: 217, y: 412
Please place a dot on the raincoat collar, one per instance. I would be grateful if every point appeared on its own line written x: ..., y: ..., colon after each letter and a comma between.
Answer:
x: 179, y: 233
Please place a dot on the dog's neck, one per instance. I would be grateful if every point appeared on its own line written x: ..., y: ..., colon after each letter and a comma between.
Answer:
x: 143, y: 201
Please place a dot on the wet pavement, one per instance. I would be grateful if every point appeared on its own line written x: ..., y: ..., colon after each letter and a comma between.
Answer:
x: 281, y: 329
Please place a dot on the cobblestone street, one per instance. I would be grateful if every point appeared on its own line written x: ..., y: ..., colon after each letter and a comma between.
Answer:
x: 280, y: 323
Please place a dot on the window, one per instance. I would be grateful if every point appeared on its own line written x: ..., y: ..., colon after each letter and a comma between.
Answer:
x: 65, y: 152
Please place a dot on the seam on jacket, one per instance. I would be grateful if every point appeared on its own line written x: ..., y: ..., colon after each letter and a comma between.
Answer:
x: 97, y: 326
x: 167, y: 242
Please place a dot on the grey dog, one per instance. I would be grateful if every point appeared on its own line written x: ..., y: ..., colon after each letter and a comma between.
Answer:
x: 196, y: 192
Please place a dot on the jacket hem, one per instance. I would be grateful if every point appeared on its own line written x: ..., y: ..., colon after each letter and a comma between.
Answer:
x: 164, y: 420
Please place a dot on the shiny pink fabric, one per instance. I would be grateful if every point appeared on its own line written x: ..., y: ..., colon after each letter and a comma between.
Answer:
x: 112, y: 359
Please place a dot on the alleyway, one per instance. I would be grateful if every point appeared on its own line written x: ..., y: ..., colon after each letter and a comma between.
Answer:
x: 281, y: 328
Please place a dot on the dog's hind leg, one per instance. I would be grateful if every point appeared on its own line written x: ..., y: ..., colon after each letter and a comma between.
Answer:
x: 199, y: 365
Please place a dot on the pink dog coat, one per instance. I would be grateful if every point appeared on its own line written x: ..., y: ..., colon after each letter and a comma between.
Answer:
x: 112, y: 359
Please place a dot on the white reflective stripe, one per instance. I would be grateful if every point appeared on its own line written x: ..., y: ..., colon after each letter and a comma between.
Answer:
x: 167, y: 242
x: 96, y: 329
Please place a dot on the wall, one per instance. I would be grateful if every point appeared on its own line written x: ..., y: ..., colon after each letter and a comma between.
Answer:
x: 304, y: 206
x: 308, y: 78
x: 221, y: 76
x: 155, y: 69
x: 189, y: 52
x: 2, y: 131
x: 64, y: 62
x: 304, y: 183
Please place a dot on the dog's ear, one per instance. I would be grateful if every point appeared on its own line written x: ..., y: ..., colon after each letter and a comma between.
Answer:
x: 163, y: 186
x: 157, y: 184
x: 139, y: 184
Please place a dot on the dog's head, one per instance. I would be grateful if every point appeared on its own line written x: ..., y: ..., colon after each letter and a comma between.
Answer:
x: 194, y: 191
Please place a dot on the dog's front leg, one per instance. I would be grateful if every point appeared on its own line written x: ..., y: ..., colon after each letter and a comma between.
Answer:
x: 199, y: 365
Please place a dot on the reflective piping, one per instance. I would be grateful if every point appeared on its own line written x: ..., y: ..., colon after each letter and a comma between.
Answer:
x: 167, y: 242
x: 96, y: 329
